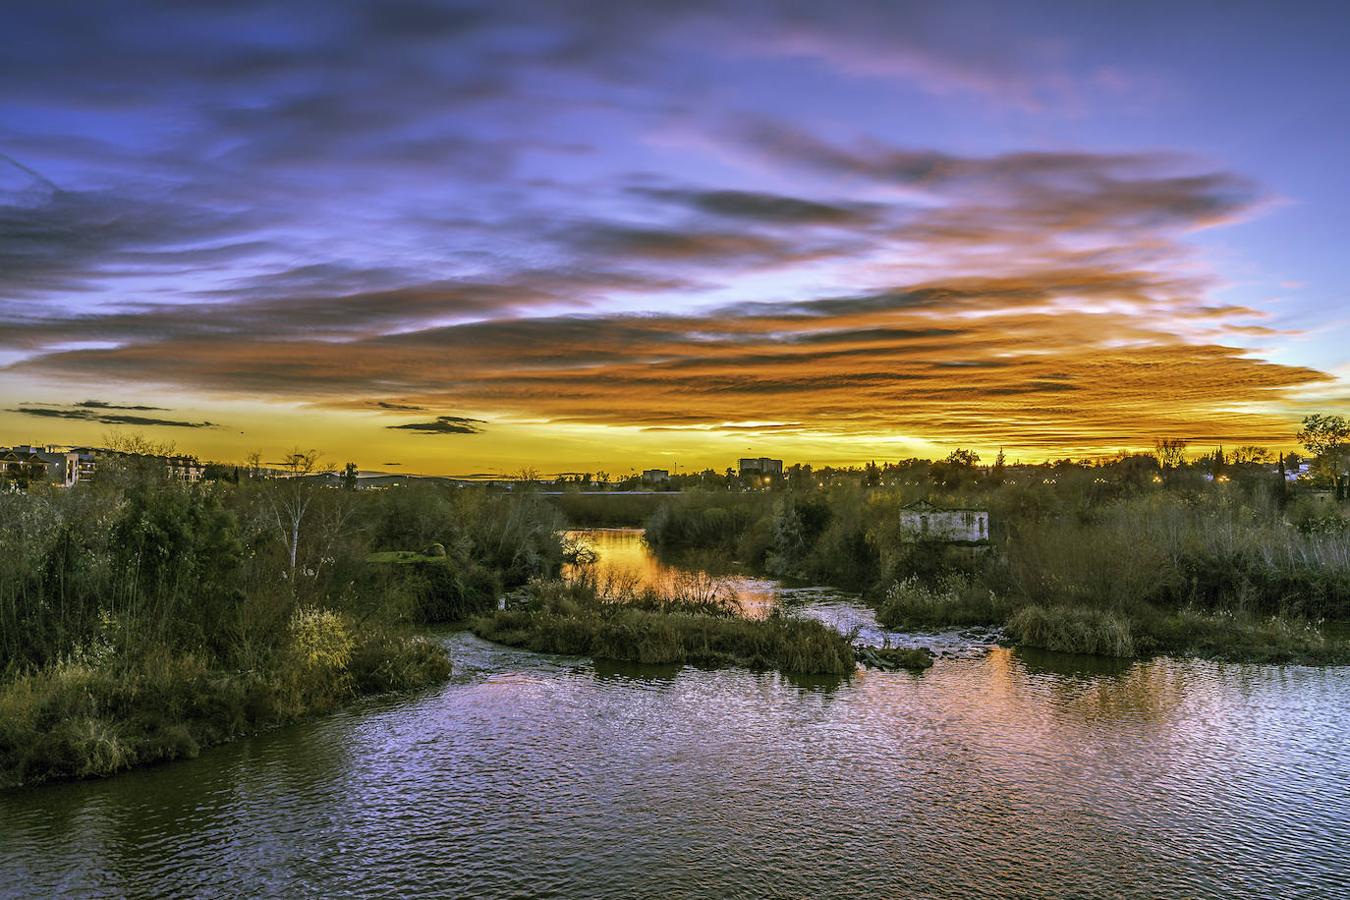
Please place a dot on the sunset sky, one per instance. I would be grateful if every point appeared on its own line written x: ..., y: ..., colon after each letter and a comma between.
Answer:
x: 463, y: 238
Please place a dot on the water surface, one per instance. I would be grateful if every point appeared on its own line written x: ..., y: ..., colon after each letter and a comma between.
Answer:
x: 1008, y: 773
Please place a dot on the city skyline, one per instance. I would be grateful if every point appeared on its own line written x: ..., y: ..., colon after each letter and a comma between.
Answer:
x: 479, y: 238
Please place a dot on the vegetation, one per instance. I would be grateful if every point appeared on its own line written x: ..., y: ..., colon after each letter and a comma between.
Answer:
x: 1068, y: 629
x: 606, y: 510
x: 142, y: 619
x: 910, y: 604
x: 1214, y: 556
x: 582, y: 619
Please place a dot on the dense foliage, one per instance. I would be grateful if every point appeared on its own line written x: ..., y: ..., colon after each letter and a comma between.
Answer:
x: 141, y: 618
x: 1178, y: 562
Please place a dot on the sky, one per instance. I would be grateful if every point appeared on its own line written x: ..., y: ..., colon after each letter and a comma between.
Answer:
x: 457, y: 238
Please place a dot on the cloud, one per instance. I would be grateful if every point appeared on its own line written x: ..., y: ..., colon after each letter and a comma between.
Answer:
x: 106, y: 418
x: 101, y: 404
x: 983, y: 360
x: 411, y: 209
x: 668, y: 244
x: 442, y: 425
x: 1045, y: 190
x: 771, y: 209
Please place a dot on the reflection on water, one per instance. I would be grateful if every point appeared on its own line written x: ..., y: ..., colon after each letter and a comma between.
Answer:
x: 1013, y: 773
x: 624, y: 558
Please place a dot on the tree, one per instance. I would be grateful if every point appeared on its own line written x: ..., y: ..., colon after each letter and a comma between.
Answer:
x: 290, y: 499
x: 1171, y: 452
x: 966, y: 459
x: 1249, y: 454
x: 998, y: 472
x: 1326, y: 438
x: 349, y: 476
x: 958, y: 467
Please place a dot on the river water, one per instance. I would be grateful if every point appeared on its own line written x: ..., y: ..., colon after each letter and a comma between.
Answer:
x: 996, y: 772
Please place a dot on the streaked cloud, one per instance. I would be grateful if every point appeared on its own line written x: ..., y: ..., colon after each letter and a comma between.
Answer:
x: 442, y: 425
x: 107, y: 418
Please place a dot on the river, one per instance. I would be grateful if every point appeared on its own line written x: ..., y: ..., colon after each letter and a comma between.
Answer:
x: 996, y: 772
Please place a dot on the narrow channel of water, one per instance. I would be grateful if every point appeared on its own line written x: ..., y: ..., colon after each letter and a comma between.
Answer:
x: 1009, y: 773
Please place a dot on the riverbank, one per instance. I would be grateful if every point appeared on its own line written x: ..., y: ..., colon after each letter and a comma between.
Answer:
x: 1129, y: 632
x: 98, y: 716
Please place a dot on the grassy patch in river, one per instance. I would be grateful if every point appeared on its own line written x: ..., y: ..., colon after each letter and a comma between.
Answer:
x: 1121, y: 630
x: 580, y: 619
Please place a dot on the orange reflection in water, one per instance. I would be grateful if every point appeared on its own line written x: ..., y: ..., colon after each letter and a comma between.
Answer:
x: 623, y: 558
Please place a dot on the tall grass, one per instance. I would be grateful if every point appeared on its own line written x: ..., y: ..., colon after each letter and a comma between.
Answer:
x: 90, y: 716
x: 1072, y: 630
x: 912, y: 604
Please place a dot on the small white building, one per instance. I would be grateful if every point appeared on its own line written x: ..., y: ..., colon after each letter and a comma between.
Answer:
x: 656, y: 476
x: 922, y: 521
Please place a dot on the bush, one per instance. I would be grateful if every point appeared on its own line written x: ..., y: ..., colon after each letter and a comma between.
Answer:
x: 383, y: 662
x: 1242, y: 637
x: 954, y: 603
x: 1072, y: 630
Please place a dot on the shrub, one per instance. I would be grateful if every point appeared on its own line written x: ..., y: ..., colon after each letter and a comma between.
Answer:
x: 955, y: 602
x: 1072, y: 630
x: 382, y: 662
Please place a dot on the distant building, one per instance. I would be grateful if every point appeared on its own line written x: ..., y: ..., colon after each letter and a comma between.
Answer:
x: 184, y: 468
x: 656, y: 476
x: 62, y: 465
x: 761, y: 466
x: 923, y: 521
x: 20, y: 468
x: 86, y: 461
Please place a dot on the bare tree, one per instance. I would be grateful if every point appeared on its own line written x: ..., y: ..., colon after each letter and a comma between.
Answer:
x: 290, y: 499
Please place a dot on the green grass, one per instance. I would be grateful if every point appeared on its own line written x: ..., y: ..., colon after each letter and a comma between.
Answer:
x: 1072, y: 630
x: 1241, y: 638
x: 79, y: 719
x: 909, y: 604
x: 1184, y: 632
x: 573, y: 620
